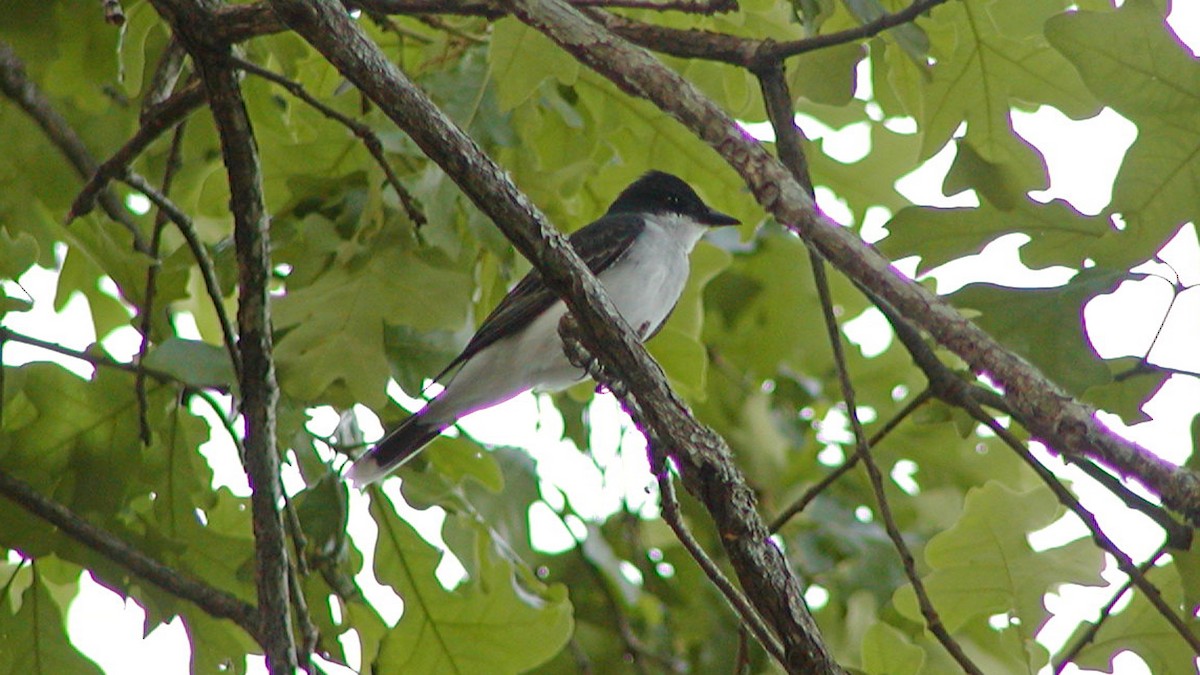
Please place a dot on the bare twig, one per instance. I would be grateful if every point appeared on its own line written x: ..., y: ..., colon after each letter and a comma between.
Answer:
x: 155, y: 122
x: 1124, y: 562
x: 637, y: 650
x: 163, y: 81
x: 94, y: 359
x: 208, y: 271
x: 1093, y: 628
x: 778, y: 102
x: 672, y: 515
x: 212, y: 600
x: 362, y: 131
x: 147, y: 309
x: 933, y: 620
x: 773, y: 53
x: 16, y: 85
x: 810, y: 494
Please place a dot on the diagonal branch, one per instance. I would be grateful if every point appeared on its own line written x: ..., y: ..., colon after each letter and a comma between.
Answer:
x: 208, y: 271
x: 1068, y: 425
x: 156, y: 120
x: 17, y: 86
x: 216, y: 602
x: 704, y: 460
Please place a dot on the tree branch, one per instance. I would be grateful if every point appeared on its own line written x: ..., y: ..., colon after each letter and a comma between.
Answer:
x: 191, y: 21
x: 778, y: 101
x: 1106, y: 611
x: 671, y: 513
x: 1124, y: 562
x: 208, y: 271
x: 1061, y: 421
x: 21, y: 90
x: 95, y: 360
x: 704, y: 461
x: 214, y: 601
x: 156, y: 120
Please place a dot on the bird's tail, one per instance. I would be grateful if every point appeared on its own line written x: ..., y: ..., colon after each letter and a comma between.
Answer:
x: 395, y: 449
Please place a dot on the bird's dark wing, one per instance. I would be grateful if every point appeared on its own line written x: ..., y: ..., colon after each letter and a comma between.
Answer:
x: 600, y: 244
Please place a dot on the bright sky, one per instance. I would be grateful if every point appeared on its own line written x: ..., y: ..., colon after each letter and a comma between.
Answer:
x: 1083, y: 158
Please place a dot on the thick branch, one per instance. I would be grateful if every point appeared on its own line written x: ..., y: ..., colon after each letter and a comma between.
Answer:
x: 1064, y: 423
x: 190, y: 20
x: 216, y: 602
x: 704, y: 460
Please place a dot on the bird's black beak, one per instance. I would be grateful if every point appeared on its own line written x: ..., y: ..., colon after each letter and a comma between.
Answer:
x: 715, y: 218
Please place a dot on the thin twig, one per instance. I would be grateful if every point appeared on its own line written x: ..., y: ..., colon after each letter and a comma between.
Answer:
x: 1124, y: 562
x: 810, y: 494
x: 933, y: 620
x: 778, y: 102
x: 163, y: 81
x: 156, y: 121
x: 227, y: 422
x: 16, y: 85
x: 772, y: 53
x: 212, y: 600
x: 147, y: 309
x: 208, y: 271
x: 94, y: 359
x: 637, y: 650
x: 673, y: 517
x: 362, y: 131
x: 1105, y: 612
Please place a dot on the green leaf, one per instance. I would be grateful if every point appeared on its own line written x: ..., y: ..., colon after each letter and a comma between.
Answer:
x: 981, y: 71
x: 17, y: 253
x: 1125, y: 396
x: 1044, y: 324
x: 828, y: 75
x: 521, y: 57
x: 892, y: 155
x: 492, y: 624
x: 1059, y: 235
x: 36, y: 635
x: 886, y: 650
x: 1018, y: 167
x: 1133, y: 60
x: 197, y: 363
x: 323, y: 510
x: 984, y: 565
x: 760, y: 308
x: 335, y: 327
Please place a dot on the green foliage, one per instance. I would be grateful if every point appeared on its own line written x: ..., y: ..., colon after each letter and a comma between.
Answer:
x: 34, y: 621
x: 363, y: 296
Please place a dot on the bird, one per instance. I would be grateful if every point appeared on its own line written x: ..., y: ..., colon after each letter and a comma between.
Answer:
x: 639, y: 251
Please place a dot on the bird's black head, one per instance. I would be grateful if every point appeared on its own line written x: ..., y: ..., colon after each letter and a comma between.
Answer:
x: 659, y: 192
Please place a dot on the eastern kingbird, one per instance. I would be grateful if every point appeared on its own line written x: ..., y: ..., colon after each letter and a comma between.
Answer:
x: 639, y: 252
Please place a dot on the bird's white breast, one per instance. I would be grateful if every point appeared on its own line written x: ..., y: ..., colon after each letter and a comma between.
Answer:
x: 647, y: 282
